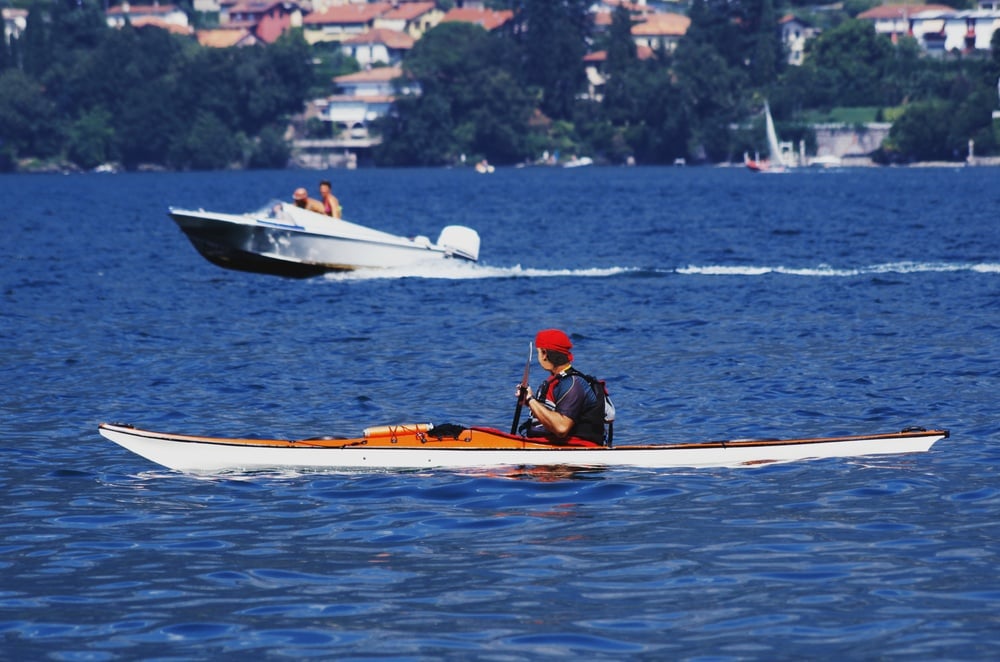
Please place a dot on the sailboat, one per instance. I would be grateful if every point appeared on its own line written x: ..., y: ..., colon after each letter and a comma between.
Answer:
x: 779, y: 154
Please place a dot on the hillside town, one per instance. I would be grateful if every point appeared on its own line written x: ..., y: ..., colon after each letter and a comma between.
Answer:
x: 379, y: 35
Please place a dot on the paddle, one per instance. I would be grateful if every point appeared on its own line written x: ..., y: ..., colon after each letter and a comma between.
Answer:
x: 520, y: 398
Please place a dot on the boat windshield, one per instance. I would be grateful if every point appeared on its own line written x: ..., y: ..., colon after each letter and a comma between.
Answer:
x: 274, y: 210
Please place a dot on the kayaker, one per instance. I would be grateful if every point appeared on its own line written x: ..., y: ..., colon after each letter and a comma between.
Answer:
x: 303, y: 201
x: 331, y: 206
x: 565, y: 405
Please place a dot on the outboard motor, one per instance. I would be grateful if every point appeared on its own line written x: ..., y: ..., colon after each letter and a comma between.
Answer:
x: 460, y: 241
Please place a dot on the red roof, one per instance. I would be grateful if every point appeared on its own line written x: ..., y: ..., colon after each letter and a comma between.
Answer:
x: 271, y: 27
x: 163, y: 25
x: 663, y: 24
x: 376, y: 75
x: 409, y: 11
x: 488, y: 19
x: 391, y: 38
x: 887, y: 12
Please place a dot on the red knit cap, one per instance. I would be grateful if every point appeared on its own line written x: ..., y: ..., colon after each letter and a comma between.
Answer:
x: 555, y: 340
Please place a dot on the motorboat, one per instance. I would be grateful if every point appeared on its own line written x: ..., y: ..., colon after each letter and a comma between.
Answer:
x: 286, y: 240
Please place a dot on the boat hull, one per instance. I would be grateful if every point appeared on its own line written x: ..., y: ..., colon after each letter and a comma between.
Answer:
x: 286, y: 241
x: 417, y: 447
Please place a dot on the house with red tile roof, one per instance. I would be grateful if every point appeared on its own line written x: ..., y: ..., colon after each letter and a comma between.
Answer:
x: 340, y: 22
x: 937, y: 28
x: 266, y: 19
x: 413, y: 18
x: 594, y: 67
x: 226, y: 37
x: 118, y: 16
x: 14, y: 22
x: 378, y: 46
x: 361, y: 98
x: 488, y: 19
x: 894, y: 20
x: 661, y: 30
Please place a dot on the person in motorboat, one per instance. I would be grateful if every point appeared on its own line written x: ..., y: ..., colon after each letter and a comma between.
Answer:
x: 331, y: 206
x: 565, y: 406
x: 303, y: 201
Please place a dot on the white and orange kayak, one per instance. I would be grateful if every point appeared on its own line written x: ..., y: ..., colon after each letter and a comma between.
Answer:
x: 422, y: 446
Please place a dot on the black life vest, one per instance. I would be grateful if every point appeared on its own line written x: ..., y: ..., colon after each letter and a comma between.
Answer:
x: 590, y: 425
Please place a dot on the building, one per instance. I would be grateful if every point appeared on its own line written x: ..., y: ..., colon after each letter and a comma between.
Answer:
x: 362, y: 98
x: 378, y: 46
x: 795, y: 32
x: 265, y: 19
x: 661, y: 31
x: 342, y: 22
x: 488, y: 19
x: 941, y: 32
x: 412, y: 18
x: 137, y: 15
x: 14, y: 22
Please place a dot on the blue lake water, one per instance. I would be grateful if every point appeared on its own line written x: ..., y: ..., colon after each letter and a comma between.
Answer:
x: 717, y: 303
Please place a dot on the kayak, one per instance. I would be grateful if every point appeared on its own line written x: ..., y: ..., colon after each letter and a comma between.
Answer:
x: 424, y: 446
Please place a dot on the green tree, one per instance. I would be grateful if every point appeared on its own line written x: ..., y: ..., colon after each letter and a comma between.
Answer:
x: 91, y: 140
x: 470, y: 103
x: 554, y: 37
x: 5, y: 53
x: 853, y: 59
x: 921, y: 133
x: 710, y: 95
x: 28, y: 126
x: 208, y: 145
x: 34, y: 44
x: 767, y: 48
x: 270, y: 150
x: 620, y: 102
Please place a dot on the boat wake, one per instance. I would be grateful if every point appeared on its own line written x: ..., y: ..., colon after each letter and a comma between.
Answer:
x: 467, y: 271
x: 827, y: 271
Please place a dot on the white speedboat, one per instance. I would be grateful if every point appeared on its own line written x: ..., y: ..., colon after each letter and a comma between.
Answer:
x: 285, y: 240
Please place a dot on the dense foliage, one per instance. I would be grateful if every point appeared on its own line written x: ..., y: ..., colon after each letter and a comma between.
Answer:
x: 73, y: 89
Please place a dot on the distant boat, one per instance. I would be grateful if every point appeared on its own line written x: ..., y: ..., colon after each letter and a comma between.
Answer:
x: 779, y: 155
x: 484, y: 168
x: 283, y: 240
x: 579, y: 162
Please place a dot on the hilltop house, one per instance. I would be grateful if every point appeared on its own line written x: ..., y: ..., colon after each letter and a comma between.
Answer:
x: 378, y: 46
x: 362, y: 98
x: 662, y: 30
x: 795, y: 32
x: 938, y: 28
x: 488, y: 19
x: 963, y: 31
x: 412, y: 18
x: 168, y: 17
x: 341, y: 22
x: 14, y: 22
x: 265, y: 19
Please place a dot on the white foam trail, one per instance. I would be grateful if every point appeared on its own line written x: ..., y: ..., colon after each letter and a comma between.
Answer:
x: 826, y: 271
x: 448, y: 270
